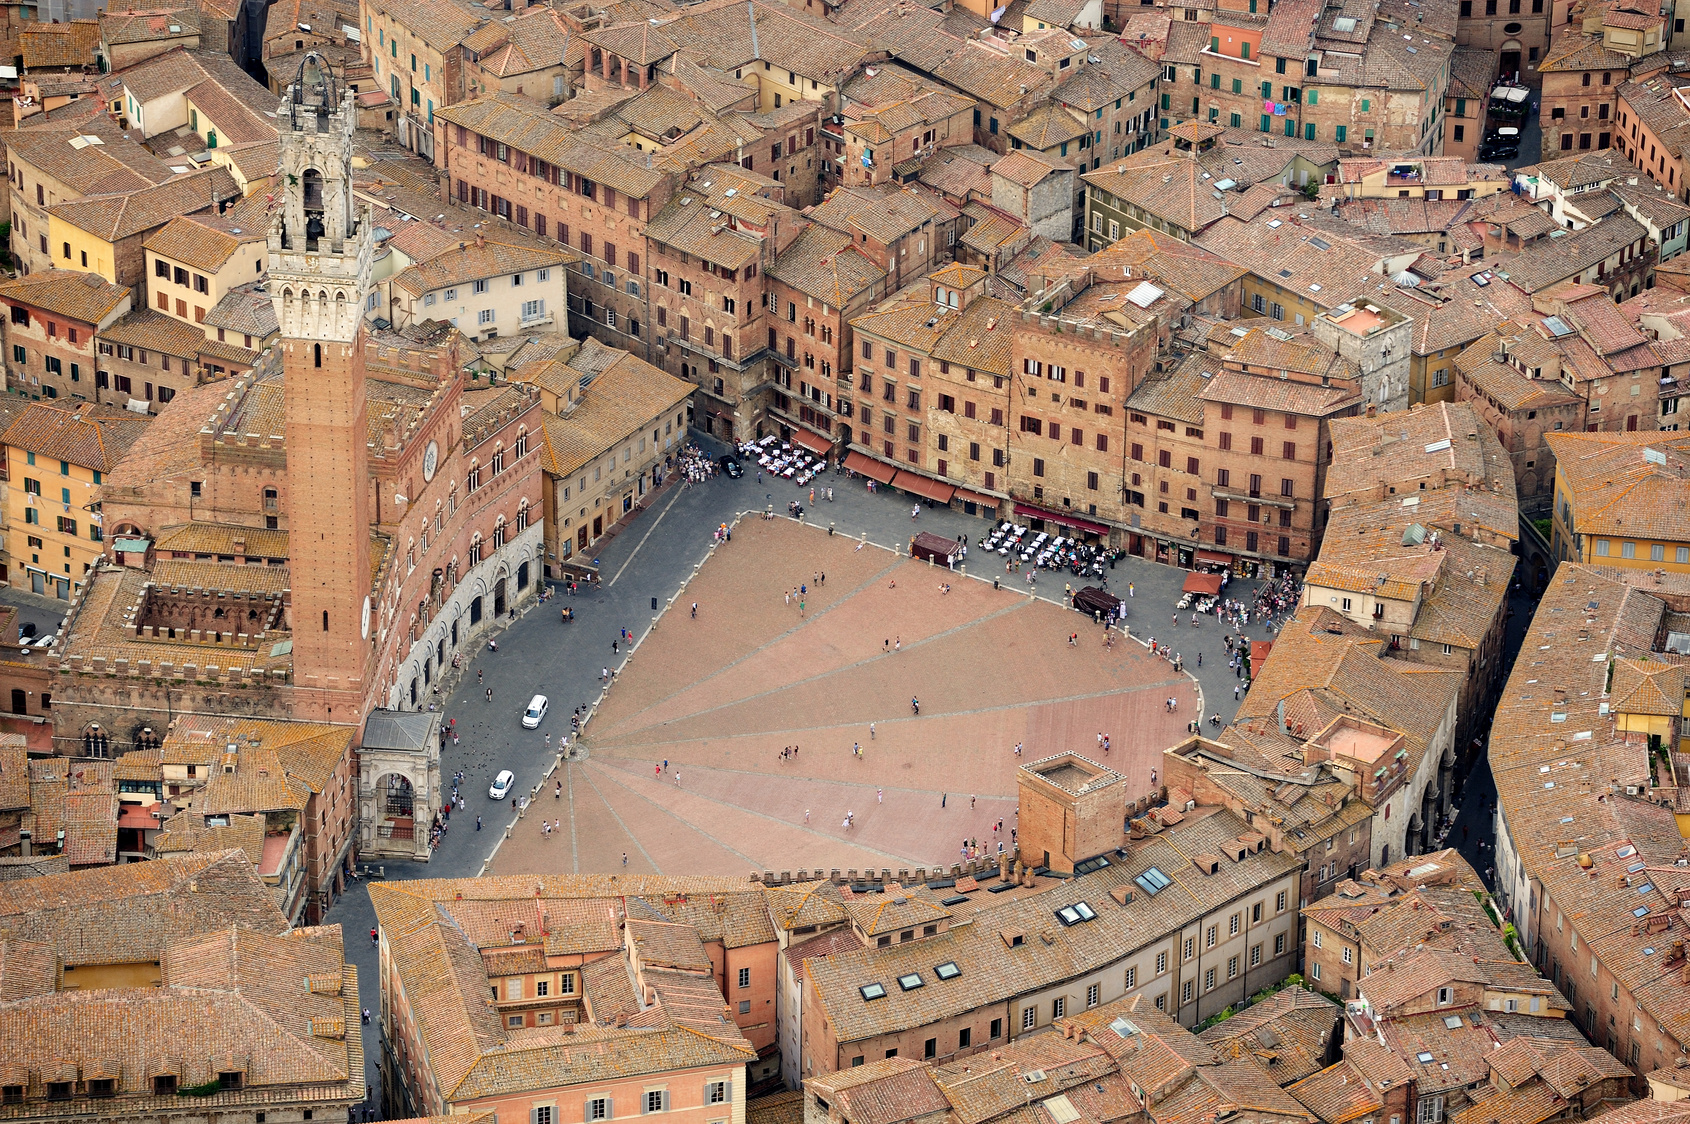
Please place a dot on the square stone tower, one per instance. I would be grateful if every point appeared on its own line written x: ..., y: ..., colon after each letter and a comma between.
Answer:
x: 319, y: 277
x: 1071, y: 809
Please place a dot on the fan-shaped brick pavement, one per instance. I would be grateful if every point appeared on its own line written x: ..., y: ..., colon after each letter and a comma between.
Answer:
x: 718, y: 697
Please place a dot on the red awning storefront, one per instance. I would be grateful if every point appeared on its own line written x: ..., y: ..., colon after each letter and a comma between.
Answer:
x: 1027, y: 512
x: 869, y: 467
x: 922, y: 486
x: 980, y: 498
x: 1214, y: 558
x: 814, y: 442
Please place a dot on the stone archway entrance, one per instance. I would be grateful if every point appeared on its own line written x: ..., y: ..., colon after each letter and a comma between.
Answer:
x: 399, y: 784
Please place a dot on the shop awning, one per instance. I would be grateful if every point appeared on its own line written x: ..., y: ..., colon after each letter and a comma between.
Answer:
x: 980, y: 498
x: 922, y: 486
x: 1214, y: 557
x: 814, y: 442
x: 1027, y: 512
x: 869, y: 467
x: 1202, y: 583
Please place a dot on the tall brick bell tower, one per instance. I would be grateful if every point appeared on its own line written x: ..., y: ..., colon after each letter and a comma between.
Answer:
x: 319, y: 277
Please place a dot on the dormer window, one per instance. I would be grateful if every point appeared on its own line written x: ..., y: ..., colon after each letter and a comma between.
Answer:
x: 1446, y: 996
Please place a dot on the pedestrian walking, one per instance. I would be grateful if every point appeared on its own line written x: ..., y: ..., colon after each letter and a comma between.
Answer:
x: 478, y: 823
x: 879, y: 796
x: 943, y: 796
x: 624, y: 858
x: 856, y: 749
x: 366, y: 1016
x: 489, y: 694
x: 695, y: 610
x: 806, y: 815
x: 871, y: 731
x: 971, y: 801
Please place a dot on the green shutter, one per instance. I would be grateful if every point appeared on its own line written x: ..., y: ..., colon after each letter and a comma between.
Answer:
x: 1266, y: 120
x: 1244, y: 49
x: 1461, y: 107
x: 1290, y: 127
x: 1237, y: 85
x: 1267, y: 90
x: 1343, y: 132
x: 1314, y: 97
x: 1215, y: 44
x: 1366, y: 105
x: 1308, y: 131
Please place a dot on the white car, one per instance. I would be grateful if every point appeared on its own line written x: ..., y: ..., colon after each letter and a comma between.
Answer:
x: 536, y: 712
x: 502, y: 785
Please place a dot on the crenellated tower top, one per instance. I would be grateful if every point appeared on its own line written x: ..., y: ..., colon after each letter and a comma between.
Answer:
x: 320, y: 247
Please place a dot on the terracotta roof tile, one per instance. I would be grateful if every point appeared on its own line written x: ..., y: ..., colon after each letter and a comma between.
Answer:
x: 821, y: 262
x: 476, y: 261
x: 84, y: 434
x: 85, y: 297
x: 154, y: 331
x: 59, y: 44
x: 1617, y: 486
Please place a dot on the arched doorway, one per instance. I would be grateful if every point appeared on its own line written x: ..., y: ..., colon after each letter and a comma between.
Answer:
x: 399, y: 783
x: 395, y: 807
x: 499, y: 597
x: 1510, y: 60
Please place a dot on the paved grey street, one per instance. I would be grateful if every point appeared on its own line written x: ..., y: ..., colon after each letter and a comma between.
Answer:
x: 649, y: 559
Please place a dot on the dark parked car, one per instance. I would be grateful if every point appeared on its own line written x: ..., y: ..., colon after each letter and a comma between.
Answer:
x: 731, y: 467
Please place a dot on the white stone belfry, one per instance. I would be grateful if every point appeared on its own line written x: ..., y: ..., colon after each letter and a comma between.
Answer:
x: 320, y: 249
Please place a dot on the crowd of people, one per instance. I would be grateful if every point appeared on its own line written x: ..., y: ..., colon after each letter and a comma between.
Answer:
x: 695, y: 465
x: 1274, y: 601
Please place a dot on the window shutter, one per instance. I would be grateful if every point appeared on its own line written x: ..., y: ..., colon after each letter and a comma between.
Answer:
x: 728, y: 1085
x: 534, y: 1115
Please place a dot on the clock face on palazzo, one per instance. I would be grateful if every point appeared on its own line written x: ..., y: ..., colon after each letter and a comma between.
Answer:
x: 431, y: 460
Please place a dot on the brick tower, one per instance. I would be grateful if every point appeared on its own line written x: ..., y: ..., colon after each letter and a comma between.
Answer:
x: 319, y: 277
